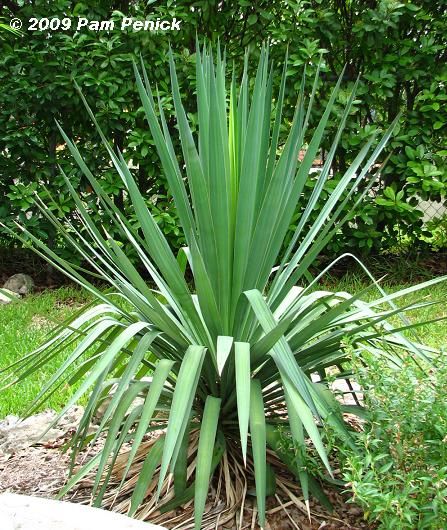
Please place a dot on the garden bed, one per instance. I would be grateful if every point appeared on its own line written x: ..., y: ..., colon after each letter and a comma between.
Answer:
x: 41, y: 471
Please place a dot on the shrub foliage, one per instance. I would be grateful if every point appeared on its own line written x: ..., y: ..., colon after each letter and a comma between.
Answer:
x: 400, y: 475
x: 398, y: 47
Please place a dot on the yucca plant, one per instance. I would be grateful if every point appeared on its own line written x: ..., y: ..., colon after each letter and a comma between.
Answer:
x: 7, y: 28
x: 219, y: 366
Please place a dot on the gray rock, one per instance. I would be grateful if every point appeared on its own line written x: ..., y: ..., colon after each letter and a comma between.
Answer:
x: 7, y: 296
x: 20, y: 283
x: 16, y: 434
x: 34, y: 513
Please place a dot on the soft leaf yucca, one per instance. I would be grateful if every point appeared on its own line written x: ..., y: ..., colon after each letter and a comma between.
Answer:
x: 219, y: 363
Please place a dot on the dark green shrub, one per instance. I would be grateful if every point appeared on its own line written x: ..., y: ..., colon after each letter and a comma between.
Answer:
x: 399, y: 48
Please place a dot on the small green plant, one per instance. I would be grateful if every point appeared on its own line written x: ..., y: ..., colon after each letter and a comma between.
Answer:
x: 438, y: 229
x: 217, y: 363
x: 400, y: 475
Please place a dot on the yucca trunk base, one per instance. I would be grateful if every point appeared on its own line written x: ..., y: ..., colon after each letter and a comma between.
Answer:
x: 229, y: 504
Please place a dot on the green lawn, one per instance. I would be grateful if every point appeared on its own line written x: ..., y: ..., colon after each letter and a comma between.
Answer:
x: 24, y: 325
x: 434, y: 335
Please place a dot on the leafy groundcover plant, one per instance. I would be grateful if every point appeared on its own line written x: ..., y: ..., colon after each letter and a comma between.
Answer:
x: 217, y: 364
x: 400, y: 475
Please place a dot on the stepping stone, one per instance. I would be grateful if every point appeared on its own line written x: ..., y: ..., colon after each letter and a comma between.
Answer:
x: 22, y: 512
x: 17, y: 433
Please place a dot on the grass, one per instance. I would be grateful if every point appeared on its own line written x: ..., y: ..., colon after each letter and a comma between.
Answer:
x: 435, y: 334
x: 24, y: 325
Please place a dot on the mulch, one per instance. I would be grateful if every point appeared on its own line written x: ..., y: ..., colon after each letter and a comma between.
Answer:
x: 41, y: 471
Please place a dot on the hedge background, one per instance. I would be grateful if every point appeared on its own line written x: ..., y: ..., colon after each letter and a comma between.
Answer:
x: 398, y: 48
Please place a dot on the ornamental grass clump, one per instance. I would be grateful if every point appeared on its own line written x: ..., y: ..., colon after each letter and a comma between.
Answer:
x: 213, y: 366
